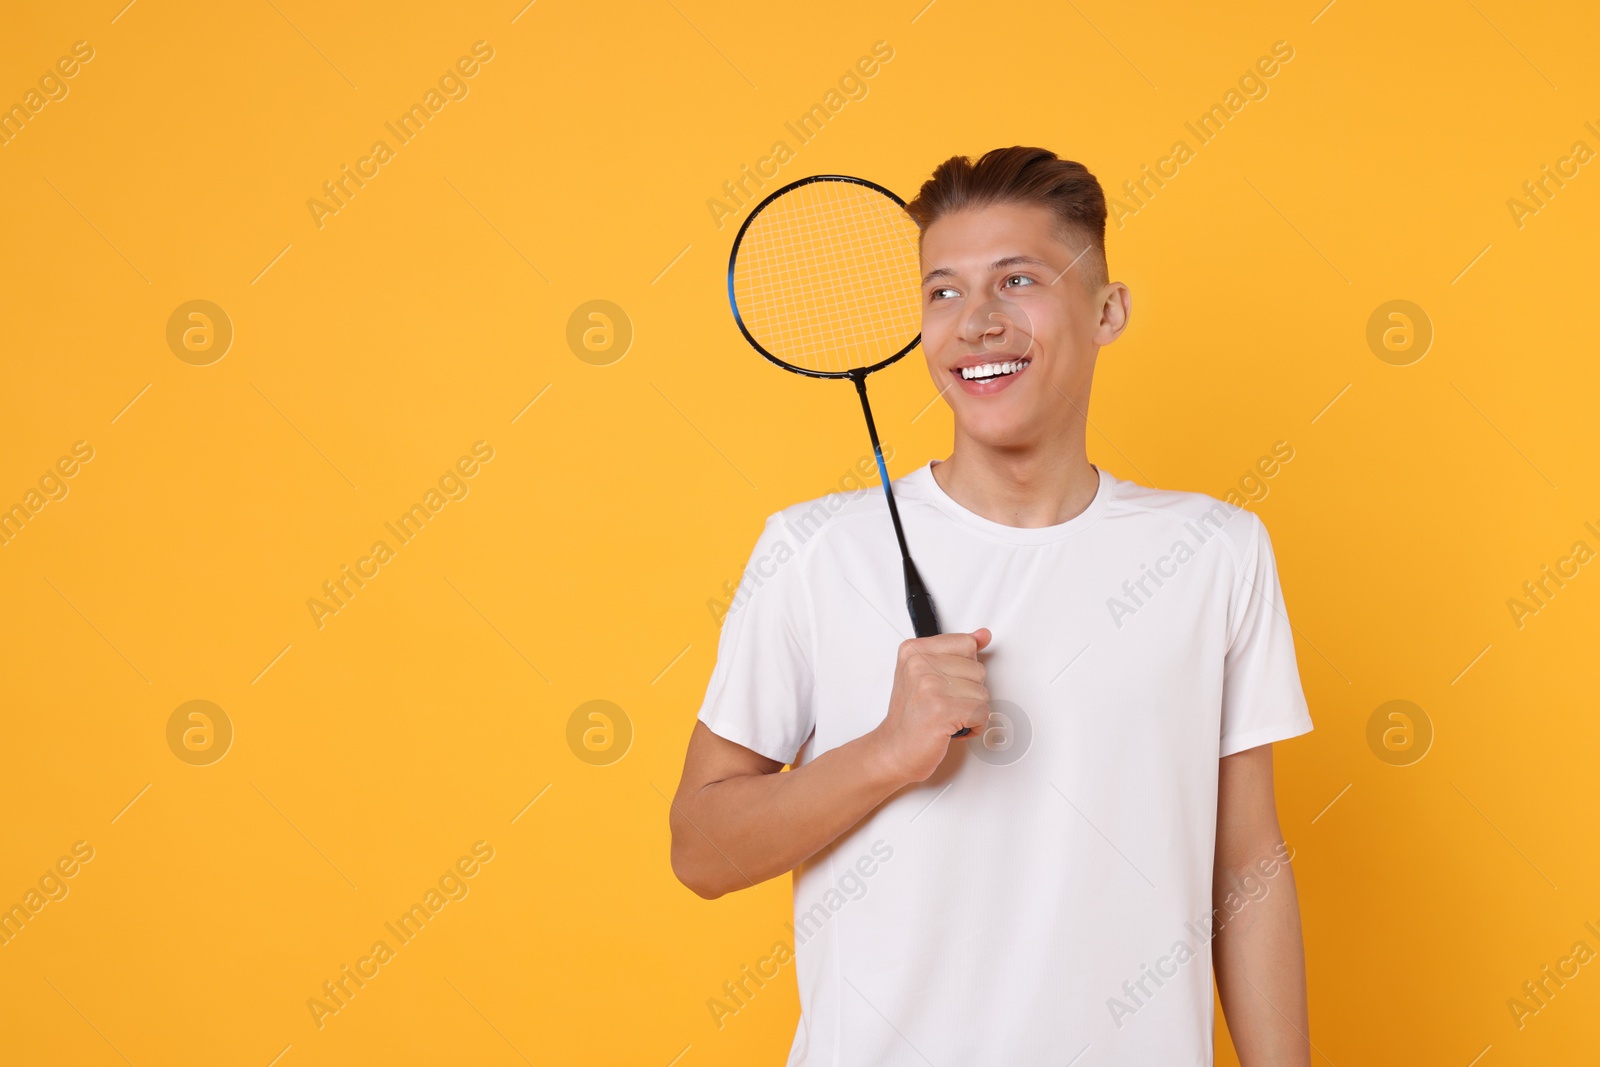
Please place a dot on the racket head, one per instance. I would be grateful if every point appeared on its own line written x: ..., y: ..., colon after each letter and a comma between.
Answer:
x: 824, y: 277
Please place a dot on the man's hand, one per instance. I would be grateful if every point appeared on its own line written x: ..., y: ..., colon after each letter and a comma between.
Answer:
x: 938, y: 690
x: 739, y: 818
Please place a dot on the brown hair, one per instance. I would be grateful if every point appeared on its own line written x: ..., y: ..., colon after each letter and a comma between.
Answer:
x: 1019, y: 175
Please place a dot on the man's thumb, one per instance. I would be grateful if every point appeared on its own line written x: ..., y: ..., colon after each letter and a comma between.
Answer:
x: 984, y: 637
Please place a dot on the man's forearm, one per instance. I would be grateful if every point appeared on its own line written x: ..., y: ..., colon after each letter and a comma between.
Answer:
x: 736, y: 833
x: 1259, y: 959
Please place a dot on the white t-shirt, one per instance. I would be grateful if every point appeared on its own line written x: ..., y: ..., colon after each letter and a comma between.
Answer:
x: 994, y: 913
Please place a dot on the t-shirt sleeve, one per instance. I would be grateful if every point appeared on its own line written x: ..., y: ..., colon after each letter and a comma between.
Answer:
x: 760, y: 691
x: 1262, y: 700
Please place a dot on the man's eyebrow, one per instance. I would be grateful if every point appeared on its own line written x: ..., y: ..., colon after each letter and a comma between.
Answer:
x: 999, y: 264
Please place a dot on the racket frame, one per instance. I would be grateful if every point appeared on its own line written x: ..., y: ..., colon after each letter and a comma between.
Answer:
x: 733, y: 301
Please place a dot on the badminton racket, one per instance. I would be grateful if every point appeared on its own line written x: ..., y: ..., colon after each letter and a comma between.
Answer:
x: 824, y: 281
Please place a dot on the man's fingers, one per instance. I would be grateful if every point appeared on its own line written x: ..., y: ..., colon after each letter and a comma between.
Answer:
x: 964, y: 692
x: 953, y: 667
x: 944, y: 644
x: 979, y: 717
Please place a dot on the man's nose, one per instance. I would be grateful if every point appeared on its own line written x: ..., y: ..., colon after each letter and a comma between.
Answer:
x: 997, y: 326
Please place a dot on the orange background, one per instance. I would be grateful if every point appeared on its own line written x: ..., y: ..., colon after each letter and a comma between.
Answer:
x: 431, y: 712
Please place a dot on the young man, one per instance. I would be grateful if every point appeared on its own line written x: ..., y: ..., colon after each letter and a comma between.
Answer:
x: 1057, y: 887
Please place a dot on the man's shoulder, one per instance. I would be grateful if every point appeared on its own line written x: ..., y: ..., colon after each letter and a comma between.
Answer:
x: 1188, y: 511
x: 830, y: 515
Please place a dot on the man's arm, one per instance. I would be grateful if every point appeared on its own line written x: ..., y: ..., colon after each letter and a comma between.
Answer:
x: 738, y: 821
x: 1257, y: 954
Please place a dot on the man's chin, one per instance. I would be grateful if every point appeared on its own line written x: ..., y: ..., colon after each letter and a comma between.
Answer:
x: 1000, y: 431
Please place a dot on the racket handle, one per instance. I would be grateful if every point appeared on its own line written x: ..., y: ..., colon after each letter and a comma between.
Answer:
x: 924, y: 620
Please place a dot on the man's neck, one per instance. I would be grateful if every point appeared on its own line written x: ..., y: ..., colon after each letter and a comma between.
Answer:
x: 1043, y: 486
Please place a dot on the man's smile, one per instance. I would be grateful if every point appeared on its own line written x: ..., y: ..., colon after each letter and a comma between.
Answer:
x: 989, y: 377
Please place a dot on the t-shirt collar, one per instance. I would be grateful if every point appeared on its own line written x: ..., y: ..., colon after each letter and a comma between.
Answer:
x: 924, y: 486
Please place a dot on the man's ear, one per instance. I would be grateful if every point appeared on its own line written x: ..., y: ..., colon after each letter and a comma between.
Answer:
x: 1116, y: 303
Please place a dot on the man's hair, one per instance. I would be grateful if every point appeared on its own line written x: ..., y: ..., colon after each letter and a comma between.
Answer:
x: 1019, y: 175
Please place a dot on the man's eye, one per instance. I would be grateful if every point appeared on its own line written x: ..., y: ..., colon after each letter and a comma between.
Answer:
x: 1019, y: 277
x: 935, y: 293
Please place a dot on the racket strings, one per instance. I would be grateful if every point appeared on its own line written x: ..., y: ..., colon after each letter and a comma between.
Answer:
x: 826, y: 277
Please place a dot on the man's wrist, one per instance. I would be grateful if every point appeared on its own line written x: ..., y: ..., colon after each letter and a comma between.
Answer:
x: 878, y: 752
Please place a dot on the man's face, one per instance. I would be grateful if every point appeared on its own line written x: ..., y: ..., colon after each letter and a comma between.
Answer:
x: 1002, y: 287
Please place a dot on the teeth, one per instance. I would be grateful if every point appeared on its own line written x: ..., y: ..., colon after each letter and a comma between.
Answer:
x: 992, y: 370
